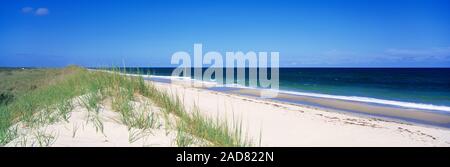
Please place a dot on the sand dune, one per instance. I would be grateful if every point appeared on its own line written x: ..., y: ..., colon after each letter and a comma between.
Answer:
x: 81, y: 131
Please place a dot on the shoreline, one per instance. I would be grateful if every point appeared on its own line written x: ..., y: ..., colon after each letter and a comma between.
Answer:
x: 282, y: 124
x: 383, y: 111
x: 428, y: 107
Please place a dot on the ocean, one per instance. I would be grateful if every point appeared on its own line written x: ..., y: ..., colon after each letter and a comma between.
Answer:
x: 423, y: 88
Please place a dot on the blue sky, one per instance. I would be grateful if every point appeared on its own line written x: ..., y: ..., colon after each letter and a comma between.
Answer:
x: 319, y: 33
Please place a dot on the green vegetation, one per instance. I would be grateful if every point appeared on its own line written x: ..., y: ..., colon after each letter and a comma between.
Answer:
x: 17, y: 81
x: 37, y: 97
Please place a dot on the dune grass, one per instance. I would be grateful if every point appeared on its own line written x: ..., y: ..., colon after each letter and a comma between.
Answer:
x: 55, y: 96
x: 214, y: 131
x: 51, y: 101
x: 31, y: 91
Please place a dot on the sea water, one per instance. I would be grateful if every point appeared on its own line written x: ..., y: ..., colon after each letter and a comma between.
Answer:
x: 422, y: 88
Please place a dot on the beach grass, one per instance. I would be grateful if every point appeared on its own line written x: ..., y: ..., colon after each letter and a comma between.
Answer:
x: 48, y: 99
x: 215, y: 132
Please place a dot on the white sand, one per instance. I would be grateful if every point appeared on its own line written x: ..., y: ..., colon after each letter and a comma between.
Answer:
x: 281, y: 124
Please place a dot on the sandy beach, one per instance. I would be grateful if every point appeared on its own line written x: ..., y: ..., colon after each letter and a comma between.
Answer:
x: 265, y: 122
x: 284, y: 124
